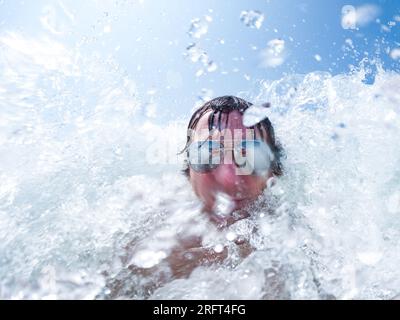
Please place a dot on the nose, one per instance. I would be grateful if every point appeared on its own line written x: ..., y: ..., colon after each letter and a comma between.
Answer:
x: 227, y: 179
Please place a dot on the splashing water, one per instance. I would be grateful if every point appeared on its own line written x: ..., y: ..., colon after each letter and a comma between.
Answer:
x: 274, y: 54
x: 204, y: 96
x: 252, y: 18
x: 196, y: 54
x: 199, y: 27
x: 395, y: 53
x: 80, y: 206
x: 317, y: 57
x: 353, y: 17
x: 255, y: 114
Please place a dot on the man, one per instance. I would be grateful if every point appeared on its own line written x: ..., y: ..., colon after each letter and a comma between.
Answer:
x: 225, y: 158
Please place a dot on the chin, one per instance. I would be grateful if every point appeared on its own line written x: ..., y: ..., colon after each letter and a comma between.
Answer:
x: 241, y: 203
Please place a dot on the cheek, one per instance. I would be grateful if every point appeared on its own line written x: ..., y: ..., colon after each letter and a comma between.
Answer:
x: 255, y: 184
x: 202, y: 183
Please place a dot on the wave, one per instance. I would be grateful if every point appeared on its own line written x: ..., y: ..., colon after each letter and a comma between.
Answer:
x: 86, y: 177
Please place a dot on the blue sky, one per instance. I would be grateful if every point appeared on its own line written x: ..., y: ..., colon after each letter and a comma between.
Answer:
x: 148, y: 39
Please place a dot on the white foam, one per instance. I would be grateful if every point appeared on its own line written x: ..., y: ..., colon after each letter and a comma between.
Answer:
x: 77, y: 192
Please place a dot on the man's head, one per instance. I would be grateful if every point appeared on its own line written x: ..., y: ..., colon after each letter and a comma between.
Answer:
x: 224, y: 156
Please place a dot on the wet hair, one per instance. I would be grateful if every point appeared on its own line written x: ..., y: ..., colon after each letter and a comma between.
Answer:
x: 226, y: 104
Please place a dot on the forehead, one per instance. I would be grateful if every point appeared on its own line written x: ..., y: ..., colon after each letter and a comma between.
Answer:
x: 231, y: 123
x: 231, y: 120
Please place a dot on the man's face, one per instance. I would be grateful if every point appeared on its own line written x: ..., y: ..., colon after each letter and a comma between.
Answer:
x: 226, y: 177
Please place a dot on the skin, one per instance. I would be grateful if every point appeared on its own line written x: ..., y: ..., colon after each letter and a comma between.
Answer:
x: 241, y: 189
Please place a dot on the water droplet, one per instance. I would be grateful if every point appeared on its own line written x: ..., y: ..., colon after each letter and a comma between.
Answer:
x: 349, y: 42
x: 208, y: 18
x: 219, y: 248
x: 255, y: 114
x: 195, y: 54
x: 318, y: 57
x: 349, y: 17
x: 212, y: 66
x: 395, y: 54
x: 204, y: 96
x: 359, y: 17
x: 231, y: 236
x: 148, y: 258
x: 252, y: 18
x: 198, y: 28
x: 199, y: 73
x: 274, y: 54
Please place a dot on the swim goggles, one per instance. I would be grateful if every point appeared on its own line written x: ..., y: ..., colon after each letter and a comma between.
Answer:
x: 251, y: 156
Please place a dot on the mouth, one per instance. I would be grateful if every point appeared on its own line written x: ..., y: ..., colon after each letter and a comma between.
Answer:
x: 239, y: 199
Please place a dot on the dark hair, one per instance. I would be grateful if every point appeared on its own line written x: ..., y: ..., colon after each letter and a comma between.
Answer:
x: 227, y: 104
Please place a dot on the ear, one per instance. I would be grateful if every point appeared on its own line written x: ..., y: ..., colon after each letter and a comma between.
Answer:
x: 186, y: 170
